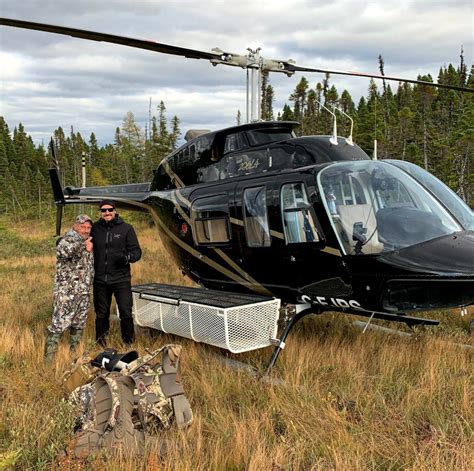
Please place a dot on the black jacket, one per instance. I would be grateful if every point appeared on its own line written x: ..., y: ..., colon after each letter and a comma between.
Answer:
x: 115, y: 247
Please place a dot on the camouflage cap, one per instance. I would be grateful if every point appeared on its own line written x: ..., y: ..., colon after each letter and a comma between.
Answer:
x: 82, y: 218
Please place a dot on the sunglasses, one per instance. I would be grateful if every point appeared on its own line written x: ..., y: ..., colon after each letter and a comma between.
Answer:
x: 107, y: 210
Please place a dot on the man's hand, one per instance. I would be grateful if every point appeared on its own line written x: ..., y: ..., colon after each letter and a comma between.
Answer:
x: 89, y: 244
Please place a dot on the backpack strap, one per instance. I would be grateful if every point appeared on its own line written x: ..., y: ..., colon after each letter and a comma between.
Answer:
x: 170, y: 381
x: 150, y: 401
x: 113, y: 422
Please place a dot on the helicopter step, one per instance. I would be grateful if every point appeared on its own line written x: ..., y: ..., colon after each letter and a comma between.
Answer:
x: 235, y: 322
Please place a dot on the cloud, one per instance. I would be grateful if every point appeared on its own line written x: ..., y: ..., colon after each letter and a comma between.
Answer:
x: 50, y: 80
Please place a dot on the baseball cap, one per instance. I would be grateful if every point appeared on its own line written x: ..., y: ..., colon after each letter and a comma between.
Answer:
x: 82, y: 218
x: 107, y: 202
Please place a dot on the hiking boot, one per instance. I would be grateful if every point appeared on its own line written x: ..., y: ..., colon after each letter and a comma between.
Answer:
x: 51, y: 345
x: 75, y: 336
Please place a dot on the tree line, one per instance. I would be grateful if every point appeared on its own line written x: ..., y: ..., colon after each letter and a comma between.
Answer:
x: 132, y: 157
x: 431, y: 127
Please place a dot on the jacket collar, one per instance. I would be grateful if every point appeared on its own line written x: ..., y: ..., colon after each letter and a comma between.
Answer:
x: 117, y: 220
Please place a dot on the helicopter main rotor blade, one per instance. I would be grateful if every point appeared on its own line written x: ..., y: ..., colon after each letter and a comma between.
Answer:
x: 296, y: 68
x: 217, y: 57
x: 111, y: 38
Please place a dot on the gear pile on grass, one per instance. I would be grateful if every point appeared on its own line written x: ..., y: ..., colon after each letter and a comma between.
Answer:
x: 123, y: 400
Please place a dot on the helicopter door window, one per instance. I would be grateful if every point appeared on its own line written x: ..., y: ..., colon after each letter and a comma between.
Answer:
x: 298, y: 221
x: 257, y: 230
x: 210, y: 220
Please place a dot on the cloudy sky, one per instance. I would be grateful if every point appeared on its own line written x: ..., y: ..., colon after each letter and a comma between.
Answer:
x: 48, y: 80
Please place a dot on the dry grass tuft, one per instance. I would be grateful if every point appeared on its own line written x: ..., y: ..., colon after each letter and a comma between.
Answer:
x: 347, y: 401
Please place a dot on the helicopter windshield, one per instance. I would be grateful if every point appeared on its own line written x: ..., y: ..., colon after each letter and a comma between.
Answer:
x: 375, y: 207
x: 460, y: 210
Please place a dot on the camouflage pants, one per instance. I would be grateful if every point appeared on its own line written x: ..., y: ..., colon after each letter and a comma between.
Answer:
x: 70, y: 310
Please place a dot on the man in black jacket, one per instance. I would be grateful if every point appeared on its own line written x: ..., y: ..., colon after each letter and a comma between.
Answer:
x: 115, y: 247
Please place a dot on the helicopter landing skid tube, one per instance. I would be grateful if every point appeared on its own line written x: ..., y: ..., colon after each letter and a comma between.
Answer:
x: 291, y: 321
x: 280, y: 342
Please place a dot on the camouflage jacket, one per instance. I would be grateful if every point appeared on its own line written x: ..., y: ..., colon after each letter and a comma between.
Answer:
x: 74, y: 264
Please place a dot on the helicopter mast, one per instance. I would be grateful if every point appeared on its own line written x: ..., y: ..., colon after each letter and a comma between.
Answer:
x: 255, y: 65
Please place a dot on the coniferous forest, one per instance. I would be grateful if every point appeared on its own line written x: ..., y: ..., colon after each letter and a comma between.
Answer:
x: 431, y: 127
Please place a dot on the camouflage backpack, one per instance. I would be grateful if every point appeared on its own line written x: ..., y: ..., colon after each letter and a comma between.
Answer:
x: 126, y: 398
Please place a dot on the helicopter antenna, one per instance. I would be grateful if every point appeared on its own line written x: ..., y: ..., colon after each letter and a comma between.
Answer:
x: 247, y: 102
x: 333, y: 138
x: 375, y: 129
x: 348, y: 139
x: 149, y: 121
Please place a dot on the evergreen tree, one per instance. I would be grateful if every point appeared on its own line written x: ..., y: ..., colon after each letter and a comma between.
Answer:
x: 298, y: 97
x: 267, y: 98
x: 287, y: 113
x: 175, y: 132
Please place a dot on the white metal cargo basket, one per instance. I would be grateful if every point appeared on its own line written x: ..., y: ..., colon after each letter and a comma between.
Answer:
x: 236, y: 322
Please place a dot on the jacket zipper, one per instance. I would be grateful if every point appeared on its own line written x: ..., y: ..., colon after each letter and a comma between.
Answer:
x: 106, y: 251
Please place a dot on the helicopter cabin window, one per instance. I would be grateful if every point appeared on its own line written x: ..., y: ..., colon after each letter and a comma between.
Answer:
x: 210, y: 220
x: 257, y: 230
x: 285, y: 156
x: 266, y: 136
x: 298, y: 221
x: 161, y: 179
x: 192, y: 153
x: 235, y: 142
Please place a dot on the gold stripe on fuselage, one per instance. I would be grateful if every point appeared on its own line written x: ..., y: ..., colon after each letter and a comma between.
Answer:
x: 174, y: 178
x: 218, y: 251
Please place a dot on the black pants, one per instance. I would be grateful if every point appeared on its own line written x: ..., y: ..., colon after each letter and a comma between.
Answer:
x: 102, y: 301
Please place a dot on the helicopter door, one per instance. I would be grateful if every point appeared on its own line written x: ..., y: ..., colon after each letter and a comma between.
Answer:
x: 299, y: 224
x: 255, y: 213
x: 302, y: 260
x: 251, y: 227
x: 213, y: 237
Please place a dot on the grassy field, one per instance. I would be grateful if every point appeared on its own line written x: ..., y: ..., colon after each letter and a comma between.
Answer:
x: 347, y: 400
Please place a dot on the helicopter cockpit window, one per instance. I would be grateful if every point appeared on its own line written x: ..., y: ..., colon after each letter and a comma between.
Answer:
x: 257, y: 230
x: 298, y: 222
x: 210, y: 220
x: 461, y: 211
x: 375, y: 207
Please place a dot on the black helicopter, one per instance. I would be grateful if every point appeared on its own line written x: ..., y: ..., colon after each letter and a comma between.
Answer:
x: 310, y: 220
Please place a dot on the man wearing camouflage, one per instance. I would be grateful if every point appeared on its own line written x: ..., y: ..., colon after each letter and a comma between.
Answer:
x: 74, y: 275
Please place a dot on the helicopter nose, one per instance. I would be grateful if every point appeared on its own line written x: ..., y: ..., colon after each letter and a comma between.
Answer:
x: 443, y: 275
x: 451, y: 255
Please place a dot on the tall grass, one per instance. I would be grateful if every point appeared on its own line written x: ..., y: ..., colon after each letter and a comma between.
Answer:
x: 346, y: 400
